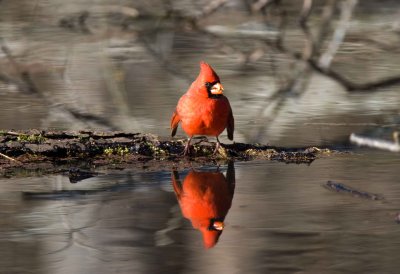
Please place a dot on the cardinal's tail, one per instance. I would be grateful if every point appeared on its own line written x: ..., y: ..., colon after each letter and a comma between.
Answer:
x: 174, y: 123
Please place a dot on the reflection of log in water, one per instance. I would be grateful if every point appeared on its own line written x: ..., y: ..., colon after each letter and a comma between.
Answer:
x: 205, y: 199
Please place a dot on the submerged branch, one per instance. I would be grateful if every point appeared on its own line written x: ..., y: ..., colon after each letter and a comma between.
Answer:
x: 342, y: 188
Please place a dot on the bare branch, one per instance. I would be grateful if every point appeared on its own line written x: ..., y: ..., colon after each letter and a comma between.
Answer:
x: 165, y: 63
x: 281, y: 27
x: 212, y: 7
x: 25, y: 84
x: 346, y: 83
x: 325, y: 24
x: 309, y: 47
x: 351, y: 86
x: 339, y: 34
x: 260, y: 4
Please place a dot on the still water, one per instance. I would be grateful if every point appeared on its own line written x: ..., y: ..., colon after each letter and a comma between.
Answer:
x: 278, y: 218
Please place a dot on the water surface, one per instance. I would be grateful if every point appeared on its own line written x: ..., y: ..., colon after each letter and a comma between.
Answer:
x: 282, y: 220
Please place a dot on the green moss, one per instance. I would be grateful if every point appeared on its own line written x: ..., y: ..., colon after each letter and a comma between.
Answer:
x: 121, y: 151
x: 33, y: 138
x: 155, y: 150
x: 108, y: 151
x: 158, y: 151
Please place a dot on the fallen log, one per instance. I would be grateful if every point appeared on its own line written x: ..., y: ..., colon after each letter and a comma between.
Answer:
x: 377, y: 143
x: 48, y: 151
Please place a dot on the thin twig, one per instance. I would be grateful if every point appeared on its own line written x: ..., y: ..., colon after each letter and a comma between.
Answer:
x: 309, y: 47
x: 9, y: 158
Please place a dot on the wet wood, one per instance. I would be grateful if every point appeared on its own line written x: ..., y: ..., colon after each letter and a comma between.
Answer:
x: 60, y: 151
x: 342, y: 188
x: 377, y: 143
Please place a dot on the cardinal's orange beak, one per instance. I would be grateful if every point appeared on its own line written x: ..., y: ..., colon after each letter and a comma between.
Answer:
x: 218, y: 225
x: 217, y: 89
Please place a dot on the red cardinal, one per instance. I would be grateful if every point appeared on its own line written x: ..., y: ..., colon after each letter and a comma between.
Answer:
x: 205, y: 199
x: 203, y: 109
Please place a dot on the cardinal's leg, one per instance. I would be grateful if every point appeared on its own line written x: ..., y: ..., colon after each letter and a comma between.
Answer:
x: 186, y: 151
x: 217, y: 146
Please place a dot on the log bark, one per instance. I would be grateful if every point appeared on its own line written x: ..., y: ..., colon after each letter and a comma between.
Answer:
x: 72, y: 151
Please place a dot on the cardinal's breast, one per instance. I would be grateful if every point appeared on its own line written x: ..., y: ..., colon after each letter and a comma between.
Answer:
x: 202, y: 115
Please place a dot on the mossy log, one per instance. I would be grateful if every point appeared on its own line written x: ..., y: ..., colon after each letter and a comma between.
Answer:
x: 56, y: 151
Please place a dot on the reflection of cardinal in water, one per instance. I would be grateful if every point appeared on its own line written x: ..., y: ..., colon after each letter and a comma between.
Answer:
x: 205, y: 199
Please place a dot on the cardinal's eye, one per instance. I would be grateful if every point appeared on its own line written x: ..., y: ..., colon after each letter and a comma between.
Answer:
x: 209, y: 85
